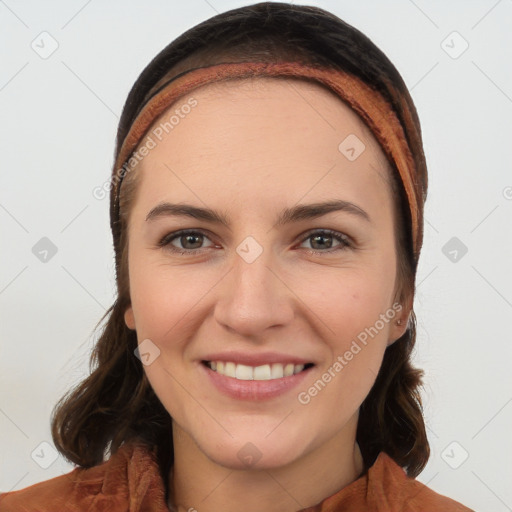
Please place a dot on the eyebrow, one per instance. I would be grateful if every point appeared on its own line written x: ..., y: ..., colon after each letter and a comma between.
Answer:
x: 288, y: 215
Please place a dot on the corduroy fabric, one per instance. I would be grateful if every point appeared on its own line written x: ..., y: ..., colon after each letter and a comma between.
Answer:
x: 130, y: 481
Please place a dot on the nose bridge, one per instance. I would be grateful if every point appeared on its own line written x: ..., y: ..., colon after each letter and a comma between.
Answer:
x: 252, y: 297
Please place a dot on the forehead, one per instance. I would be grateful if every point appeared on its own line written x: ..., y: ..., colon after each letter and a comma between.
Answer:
x: 306, y: 96
x: 266, y: 130
x: 319, y: 107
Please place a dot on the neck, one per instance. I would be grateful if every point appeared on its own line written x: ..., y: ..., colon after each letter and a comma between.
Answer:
x: 197, y: 482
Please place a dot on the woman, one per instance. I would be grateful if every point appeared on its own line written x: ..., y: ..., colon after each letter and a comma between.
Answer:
x: 267, y: 215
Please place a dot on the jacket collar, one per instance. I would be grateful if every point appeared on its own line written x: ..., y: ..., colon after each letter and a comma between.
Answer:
x: 129, y: 481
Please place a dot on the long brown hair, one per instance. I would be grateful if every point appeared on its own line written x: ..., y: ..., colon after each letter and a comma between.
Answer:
x: 115, y: 403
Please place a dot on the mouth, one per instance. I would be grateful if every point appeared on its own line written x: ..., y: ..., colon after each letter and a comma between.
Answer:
x: 255, y: 376
x: 265, y: 372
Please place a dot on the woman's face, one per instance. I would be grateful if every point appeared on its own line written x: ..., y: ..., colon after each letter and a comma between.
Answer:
x: 267, y: 279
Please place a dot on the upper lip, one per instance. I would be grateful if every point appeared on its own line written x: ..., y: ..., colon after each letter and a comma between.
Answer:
x: 255, y: 359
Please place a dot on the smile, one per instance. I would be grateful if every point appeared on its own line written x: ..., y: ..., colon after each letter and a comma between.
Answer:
x: 263, y: 372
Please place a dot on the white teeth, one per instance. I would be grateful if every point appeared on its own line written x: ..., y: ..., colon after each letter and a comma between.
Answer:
x: 263, y: 372
x: 244, y: 372
x: 277, y: 371
x: 230, y: 369
x: 288, y: 370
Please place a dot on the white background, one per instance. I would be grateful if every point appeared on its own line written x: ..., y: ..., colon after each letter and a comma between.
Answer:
x: 58, y: 122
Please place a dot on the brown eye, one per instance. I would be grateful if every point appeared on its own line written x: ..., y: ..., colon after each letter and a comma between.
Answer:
x: 187, y: 241
x: 191, y: 241
x: 323, y: 241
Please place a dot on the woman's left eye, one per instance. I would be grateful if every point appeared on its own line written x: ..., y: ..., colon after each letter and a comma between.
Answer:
x: 320, y: 237
x: 191, y: 241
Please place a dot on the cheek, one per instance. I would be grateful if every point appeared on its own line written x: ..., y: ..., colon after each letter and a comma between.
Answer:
x: 346, y: 300
x: 357, y: 339
x: 165, y: 302
x: 356, y: 315
x: 163, y: 297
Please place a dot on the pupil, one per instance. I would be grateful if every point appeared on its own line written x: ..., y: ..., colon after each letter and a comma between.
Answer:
x: 188, y: 238
x: 316, y: 237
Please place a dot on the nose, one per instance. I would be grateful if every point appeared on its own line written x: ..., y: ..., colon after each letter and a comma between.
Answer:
x: 252, y: 297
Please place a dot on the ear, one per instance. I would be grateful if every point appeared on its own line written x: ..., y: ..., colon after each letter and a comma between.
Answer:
x: 129, y: 319
x: 397, y: 330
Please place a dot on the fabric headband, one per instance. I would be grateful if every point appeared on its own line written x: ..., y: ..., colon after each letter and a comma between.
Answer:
x: 371, y: 106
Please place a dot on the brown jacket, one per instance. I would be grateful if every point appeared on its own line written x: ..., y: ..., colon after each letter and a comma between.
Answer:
x: 130, y: 481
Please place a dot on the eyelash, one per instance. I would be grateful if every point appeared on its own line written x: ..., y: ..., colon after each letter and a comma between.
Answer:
x: 165, y: 242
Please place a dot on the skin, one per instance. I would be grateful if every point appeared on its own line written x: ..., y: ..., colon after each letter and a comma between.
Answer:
x: 248, y: 150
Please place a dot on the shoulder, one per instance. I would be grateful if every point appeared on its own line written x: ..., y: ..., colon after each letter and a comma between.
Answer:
x: 82, y: 488
x: 391, y: 489
x: 55, y: 492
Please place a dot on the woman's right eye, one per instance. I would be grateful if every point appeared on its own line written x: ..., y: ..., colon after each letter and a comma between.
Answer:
x: 189, y: 240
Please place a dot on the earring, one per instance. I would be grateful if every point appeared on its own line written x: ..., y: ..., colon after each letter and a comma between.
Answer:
x: 399, y: 321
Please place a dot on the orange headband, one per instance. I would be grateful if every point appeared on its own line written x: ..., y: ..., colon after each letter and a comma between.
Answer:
x: 375, y: 111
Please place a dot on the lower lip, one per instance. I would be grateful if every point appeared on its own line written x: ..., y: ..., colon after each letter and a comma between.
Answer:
x: 254, y: 390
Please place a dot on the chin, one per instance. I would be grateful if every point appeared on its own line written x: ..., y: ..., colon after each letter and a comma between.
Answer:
x: 249, y: 455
